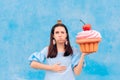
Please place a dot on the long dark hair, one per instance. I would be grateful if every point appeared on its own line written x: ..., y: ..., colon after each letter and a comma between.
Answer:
x: 52, y: 50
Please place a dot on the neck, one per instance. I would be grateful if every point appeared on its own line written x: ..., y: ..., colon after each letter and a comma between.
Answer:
x: 60, y: 47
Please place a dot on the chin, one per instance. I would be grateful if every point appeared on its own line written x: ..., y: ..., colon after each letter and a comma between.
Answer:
x: 61, y: 42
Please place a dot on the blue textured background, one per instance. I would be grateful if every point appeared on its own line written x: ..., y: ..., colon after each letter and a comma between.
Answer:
x: 25, y: 26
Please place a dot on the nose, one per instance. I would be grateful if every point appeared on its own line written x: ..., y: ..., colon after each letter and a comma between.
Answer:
x: 60, y: 35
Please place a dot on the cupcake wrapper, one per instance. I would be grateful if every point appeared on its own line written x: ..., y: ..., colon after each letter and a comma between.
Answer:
x: 88, y: 45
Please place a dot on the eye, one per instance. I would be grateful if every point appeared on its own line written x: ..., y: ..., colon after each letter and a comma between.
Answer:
x: 56, y: 32
x: 62, y: 32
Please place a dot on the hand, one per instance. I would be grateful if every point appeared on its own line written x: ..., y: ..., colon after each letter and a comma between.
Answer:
x: 83, y: 54
x: 58, y: 68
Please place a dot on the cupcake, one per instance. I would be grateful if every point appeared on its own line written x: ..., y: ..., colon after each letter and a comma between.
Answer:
x: 88, y: 39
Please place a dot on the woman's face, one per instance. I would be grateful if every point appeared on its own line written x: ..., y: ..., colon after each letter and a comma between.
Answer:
x: 60, y: 35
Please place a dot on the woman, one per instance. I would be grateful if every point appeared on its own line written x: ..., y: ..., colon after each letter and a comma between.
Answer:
x: 62, y: 61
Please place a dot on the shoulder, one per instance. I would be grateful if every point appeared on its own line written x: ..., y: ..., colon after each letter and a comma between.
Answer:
x: 44, y: 50
x: 75, y: 50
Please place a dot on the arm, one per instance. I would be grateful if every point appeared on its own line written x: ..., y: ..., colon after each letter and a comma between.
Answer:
x: 55, y: 67
x: 37, y: 65
x: 78, y: 68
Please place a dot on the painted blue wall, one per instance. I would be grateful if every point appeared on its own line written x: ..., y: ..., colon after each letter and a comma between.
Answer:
x: 25, y: 26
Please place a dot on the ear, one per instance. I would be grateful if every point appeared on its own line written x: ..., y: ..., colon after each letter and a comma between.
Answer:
x: 53, y: 36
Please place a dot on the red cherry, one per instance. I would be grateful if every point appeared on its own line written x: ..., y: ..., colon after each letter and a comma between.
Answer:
x: 87, y: 27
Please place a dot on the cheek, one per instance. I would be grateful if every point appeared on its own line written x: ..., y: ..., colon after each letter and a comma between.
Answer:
x: 65, y: 36
x: 55, y: 37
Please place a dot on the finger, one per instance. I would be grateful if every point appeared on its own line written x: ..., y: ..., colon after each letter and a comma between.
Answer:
x: 62, y: 68
x: 58, y: 63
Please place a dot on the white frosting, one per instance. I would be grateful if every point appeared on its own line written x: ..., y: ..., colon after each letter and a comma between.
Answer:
x: 88, y: 34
